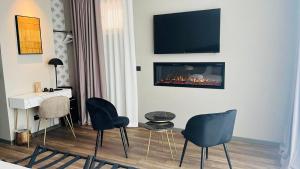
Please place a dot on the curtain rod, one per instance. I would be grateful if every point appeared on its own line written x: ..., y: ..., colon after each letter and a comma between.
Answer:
x: 62, y: 31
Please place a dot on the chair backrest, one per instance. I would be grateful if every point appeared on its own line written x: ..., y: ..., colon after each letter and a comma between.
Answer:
x: 100, y: 113
x: 54, y: 107
x: 108, y: 106
x: 210, y: 129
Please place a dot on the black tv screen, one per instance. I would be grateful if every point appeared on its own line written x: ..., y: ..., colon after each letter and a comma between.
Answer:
x: 187, y: 32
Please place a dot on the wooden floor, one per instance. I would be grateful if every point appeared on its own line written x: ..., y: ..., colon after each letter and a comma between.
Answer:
x: 244, y: 155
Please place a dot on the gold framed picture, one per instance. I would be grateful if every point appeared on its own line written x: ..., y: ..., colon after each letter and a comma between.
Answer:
x: 29, y: 35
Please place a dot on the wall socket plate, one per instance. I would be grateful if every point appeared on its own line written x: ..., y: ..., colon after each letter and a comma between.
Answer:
x: 36, y: 117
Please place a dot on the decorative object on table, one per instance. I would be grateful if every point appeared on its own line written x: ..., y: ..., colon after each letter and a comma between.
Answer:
x: 55, y: 62
x: 51, y: 90
x: 160, y: 122
x: 46, y: 90
x: 55, y: 107
x: 199, y: 128
x: 22, y: 137
x: 37, y: 87
x: 104, y: 116
x: 28, y: 35
x: 62, y: 160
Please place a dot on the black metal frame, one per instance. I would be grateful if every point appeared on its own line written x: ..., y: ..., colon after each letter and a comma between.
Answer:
x: 124, y: 139
x: 90, y: 161
x: 222, y: 64
x: 206, y: 154
x: 61, y: 31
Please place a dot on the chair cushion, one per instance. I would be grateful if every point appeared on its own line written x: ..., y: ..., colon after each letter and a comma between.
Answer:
x: 121, y: 121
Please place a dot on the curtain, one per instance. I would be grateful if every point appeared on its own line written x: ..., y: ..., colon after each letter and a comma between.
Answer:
x: 87, y: 64
x: 290, y: 149
x: 119, y: 56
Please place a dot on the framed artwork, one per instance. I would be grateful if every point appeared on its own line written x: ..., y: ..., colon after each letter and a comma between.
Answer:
x: 29, y: 35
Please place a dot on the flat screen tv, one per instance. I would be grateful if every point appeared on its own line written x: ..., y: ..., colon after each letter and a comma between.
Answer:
x: 187, y: 32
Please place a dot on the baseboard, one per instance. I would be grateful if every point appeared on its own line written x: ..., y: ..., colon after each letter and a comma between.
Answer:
x: 141, y: 124
x: 234, y: 138
x: 6, y: 141
x: 33, y: 134
x: 48, y: 129
x: 255, y: 141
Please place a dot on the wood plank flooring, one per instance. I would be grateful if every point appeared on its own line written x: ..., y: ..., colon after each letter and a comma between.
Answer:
x: 243, y: 155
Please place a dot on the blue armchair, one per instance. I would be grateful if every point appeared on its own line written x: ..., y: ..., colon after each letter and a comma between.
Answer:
x: 209, y: 130
x: 104, y: 116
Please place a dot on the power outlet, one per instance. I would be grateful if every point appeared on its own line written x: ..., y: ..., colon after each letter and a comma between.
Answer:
x: 36, y: 117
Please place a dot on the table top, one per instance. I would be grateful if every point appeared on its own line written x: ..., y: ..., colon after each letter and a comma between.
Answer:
x: 159, y: 126
x: 30, y: 100
x: 160, y: 116
x: 7, y: 165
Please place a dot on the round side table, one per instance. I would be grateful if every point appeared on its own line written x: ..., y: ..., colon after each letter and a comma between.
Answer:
x: 160, y: 122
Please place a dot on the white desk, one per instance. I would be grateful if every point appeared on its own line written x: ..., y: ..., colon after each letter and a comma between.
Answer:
x: 31, y: 100
x: 7, y: 165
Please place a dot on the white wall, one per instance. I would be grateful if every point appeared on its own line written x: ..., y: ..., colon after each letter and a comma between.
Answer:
x: 4, y: 124
x: 259, y: 46
x: 21, y: 71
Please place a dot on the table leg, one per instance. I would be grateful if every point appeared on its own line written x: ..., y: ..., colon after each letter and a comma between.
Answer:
x: 16, y: 119
x: 16, y: 123
x: 45, y: 132
x: 28, y: 133
x: 38, y: 129
x: 149, y: 142
x: 169, y: 144
x: 162, y: 141
x: 174, y: 141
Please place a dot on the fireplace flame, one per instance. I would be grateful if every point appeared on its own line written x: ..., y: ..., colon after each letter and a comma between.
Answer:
x: 190, y: 80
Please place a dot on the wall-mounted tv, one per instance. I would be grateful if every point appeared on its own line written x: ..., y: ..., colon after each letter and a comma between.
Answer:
x: 187, y: 32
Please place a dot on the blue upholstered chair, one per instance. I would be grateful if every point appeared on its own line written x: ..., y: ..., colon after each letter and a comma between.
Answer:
x: 104, y: 116
x: 209, y: 130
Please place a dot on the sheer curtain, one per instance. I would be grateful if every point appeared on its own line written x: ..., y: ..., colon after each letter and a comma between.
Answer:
x: 291, y: 146
x: 119, y: 56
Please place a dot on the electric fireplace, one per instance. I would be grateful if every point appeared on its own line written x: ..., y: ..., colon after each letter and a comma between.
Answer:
x: 186, y: 74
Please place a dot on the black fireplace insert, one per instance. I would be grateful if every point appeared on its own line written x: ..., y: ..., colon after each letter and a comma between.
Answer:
x: 190, y: 74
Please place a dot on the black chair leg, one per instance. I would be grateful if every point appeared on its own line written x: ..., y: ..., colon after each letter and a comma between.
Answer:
x: 227, y: 156
x: 183, y: 152
x: 202, y: 158
x: 126, y: 136
x: 97, y: 142
x: 206, y: 153
x: 123, y: 141
x: 101, y: 137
